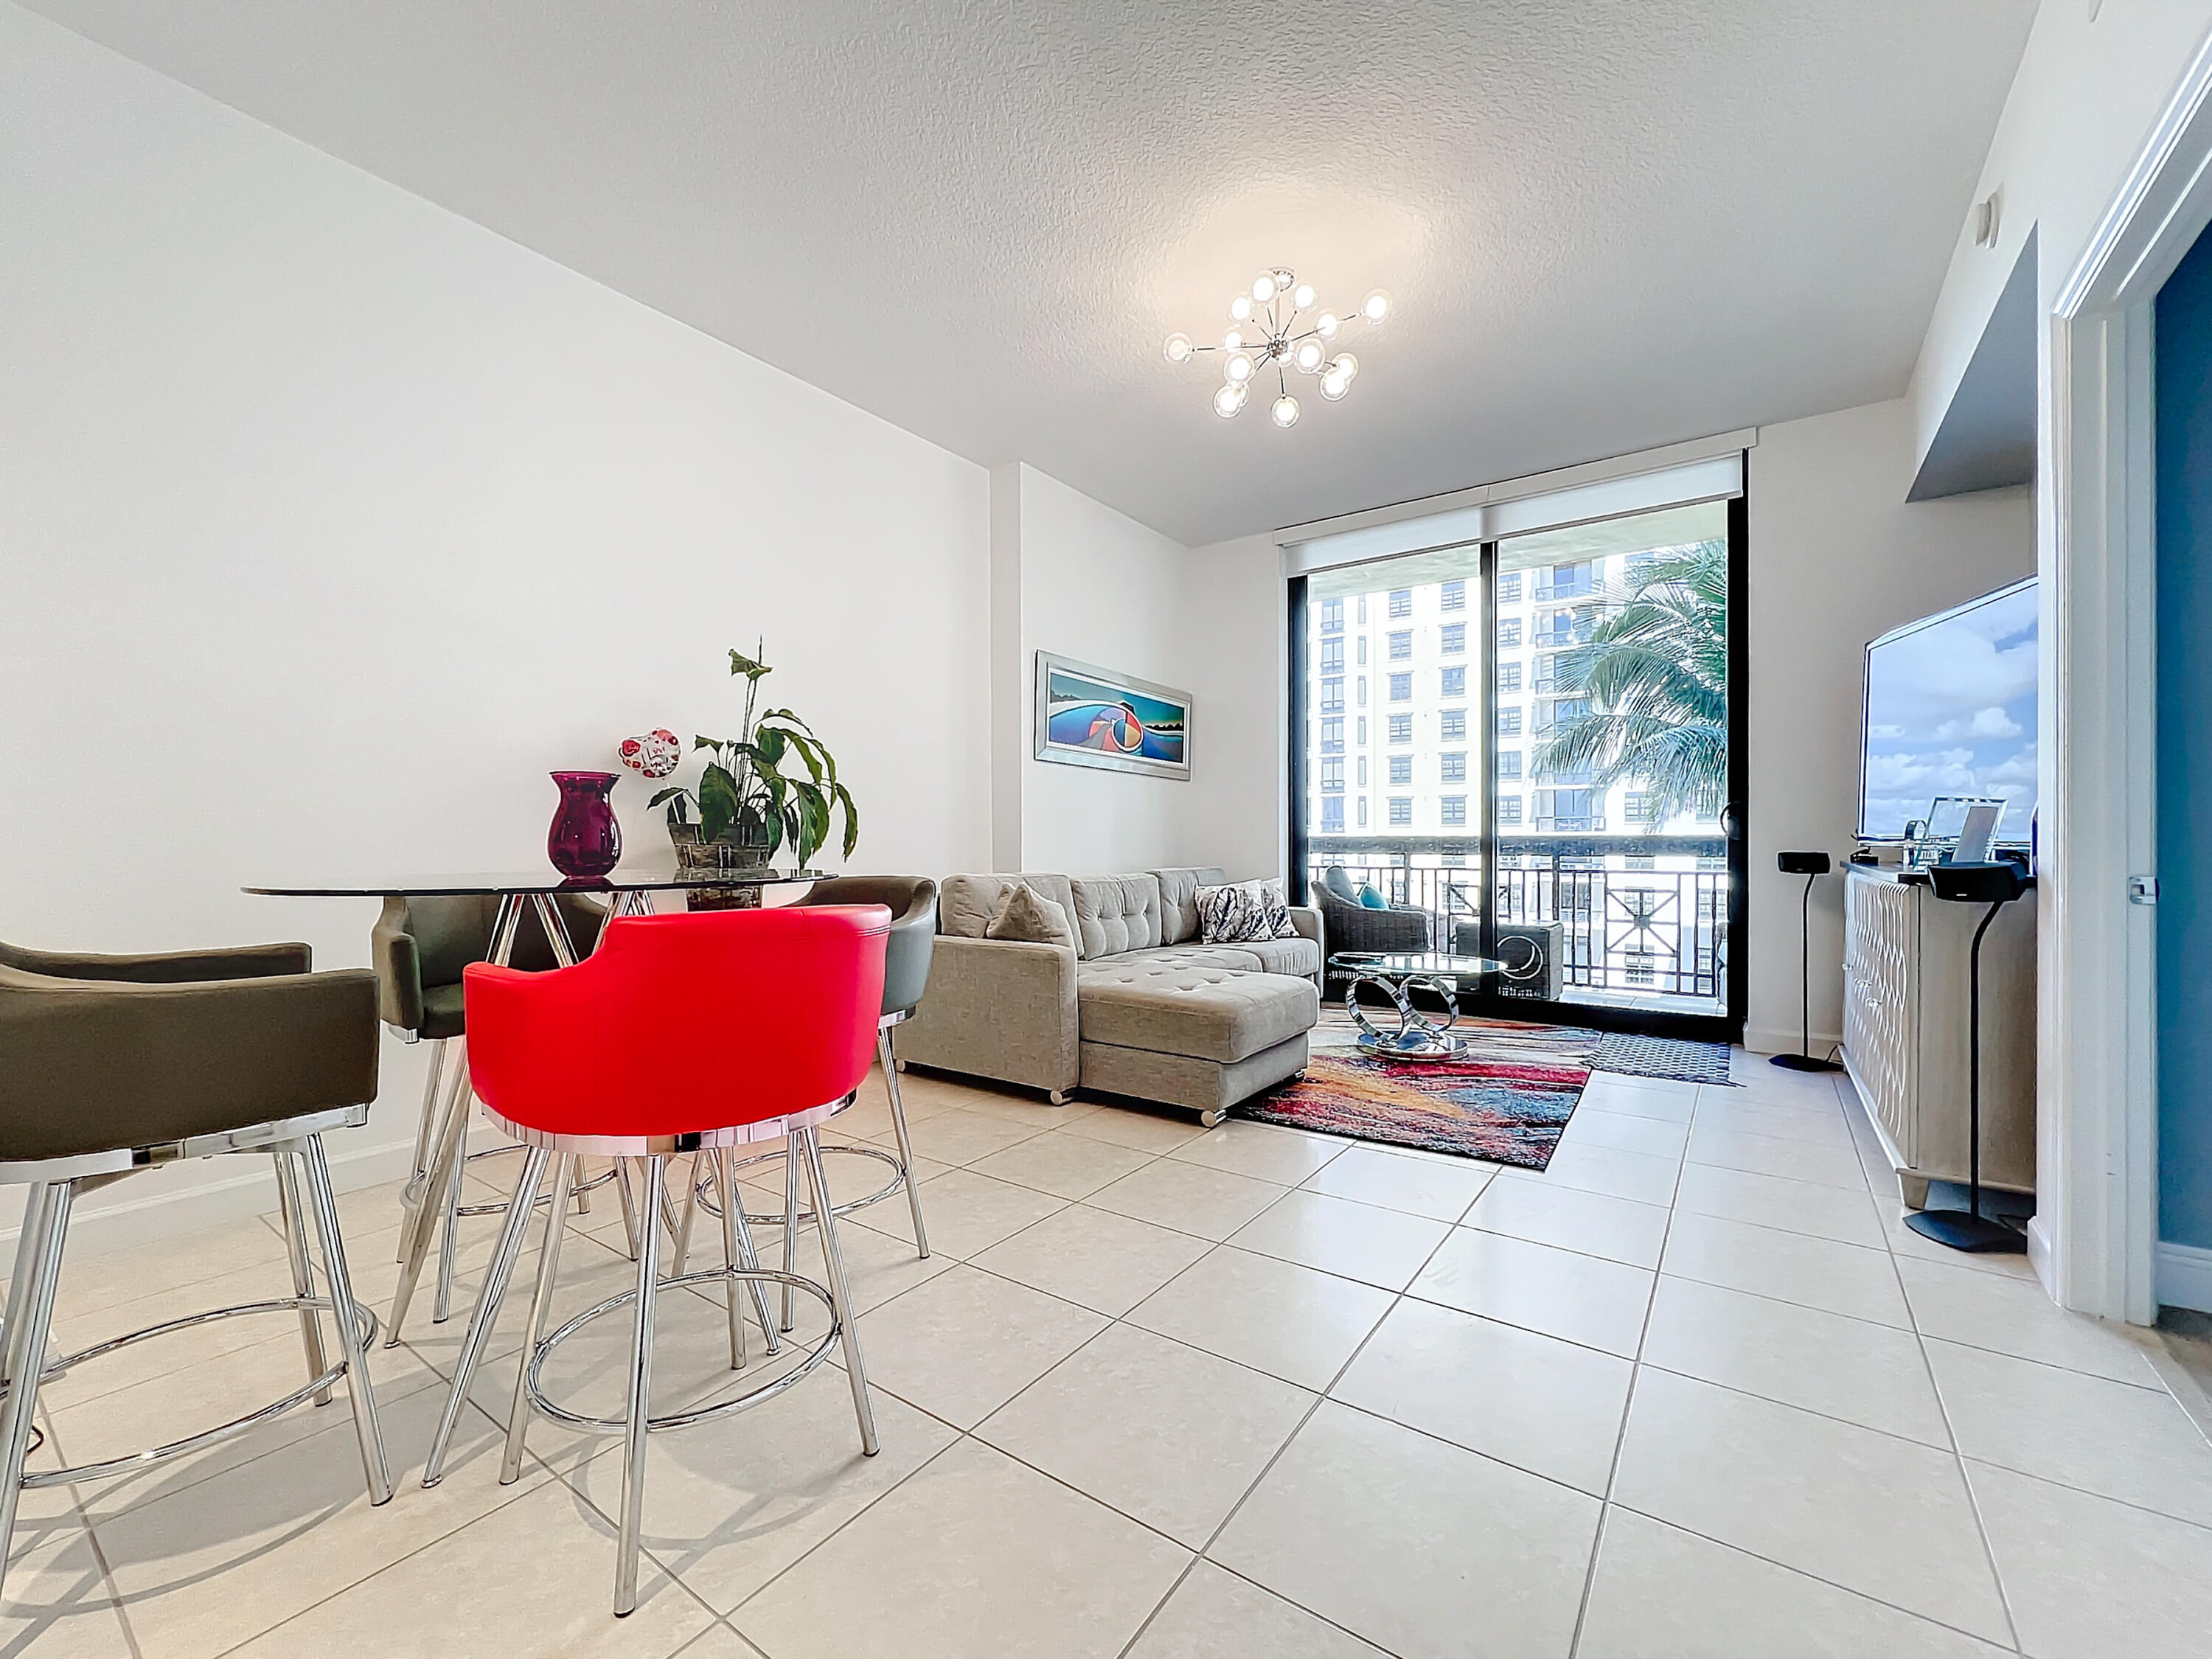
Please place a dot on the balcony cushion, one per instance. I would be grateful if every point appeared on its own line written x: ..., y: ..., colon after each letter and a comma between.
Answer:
x: 1179, y: 900
x: 1207, y: 1013
x: 1114, y: 913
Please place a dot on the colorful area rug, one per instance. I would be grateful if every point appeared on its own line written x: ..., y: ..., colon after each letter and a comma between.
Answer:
x: 1508, y: 1102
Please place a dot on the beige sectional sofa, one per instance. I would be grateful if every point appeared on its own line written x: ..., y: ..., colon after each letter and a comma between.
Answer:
x: 1140, y: 1007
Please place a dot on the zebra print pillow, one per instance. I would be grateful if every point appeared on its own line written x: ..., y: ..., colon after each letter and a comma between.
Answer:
x: 1244, y: 910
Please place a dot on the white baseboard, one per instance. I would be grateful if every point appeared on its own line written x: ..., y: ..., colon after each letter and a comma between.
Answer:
x: 2184, y: 1277
x: 2041, y: 1257
x: 1761, y: 1040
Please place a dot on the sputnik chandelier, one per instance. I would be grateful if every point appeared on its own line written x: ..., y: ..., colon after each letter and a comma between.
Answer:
x: 1275, y: 308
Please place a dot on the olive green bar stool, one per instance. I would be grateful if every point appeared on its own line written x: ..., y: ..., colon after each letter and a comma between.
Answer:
x: 113, y: 1065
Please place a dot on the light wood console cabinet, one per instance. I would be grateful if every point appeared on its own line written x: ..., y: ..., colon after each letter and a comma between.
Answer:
x: 1905, y: 1028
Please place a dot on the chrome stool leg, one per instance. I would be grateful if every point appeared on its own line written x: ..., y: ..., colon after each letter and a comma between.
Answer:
x: 449, y: 1240
x: 728, y: 1197
x: 640, y: 1393
x: 541, y: 1304
x: 294, y: 1213
x: 905, y: 1146
x: 790, y: 1223
x: 423, y: 1225
x: 424, y: 1128
x: 840, y: 1301
x: 519, y: 1211
x: 359, y: 1391
x: 38, y: 1271
x: 629, y: 1204
x: 683, y: 1234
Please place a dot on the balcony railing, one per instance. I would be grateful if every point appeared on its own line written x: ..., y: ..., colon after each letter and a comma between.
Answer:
x: 1654, y: 936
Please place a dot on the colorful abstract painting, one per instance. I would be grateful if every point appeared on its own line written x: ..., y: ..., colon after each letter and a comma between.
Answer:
x: 1091, y: 716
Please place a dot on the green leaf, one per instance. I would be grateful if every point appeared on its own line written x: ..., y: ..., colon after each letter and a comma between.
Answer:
x: 741, y: 664
x: 718, y: 803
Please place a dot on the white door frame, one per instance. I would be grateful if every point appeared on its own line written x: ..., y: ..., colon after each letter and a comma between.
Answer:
x: 2094, y: 1238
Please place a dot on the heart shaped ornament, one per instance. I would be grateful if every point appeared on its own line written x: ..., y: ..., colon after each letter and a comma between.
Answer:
x: 655, y: 755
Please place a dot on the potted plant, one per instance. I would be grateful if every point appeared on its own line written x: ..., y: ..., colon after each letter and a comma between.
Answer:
x: 775, y: 783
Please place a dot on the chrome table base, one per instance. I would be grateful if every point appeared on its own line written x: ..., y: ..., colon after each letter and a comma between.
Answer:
x: 1418, y: 1036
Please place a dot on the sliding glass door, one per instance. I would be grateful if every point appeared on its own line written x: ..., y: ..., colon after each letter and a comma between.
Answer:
x: 1528, y: 747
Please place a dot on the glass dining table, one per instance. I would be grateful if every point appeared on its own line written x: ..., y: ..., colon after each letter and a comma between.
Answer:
x: 438, y: 1153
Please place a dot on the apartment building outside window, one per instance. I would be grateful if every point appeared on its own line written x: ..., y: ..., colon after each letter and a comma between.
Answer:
x: 1455, y: 682
x: 1332, y: 656
x: 1455, y: 766
x: 1509, y: 721
x: 1508, y: 763
x: 1455, y: 811
x: 1332, y: 815
x: 1509, y: 587
x: 1332, y: 615
x: 1509, y: 634
x: 1452, y: 596
x: 1401, y: 812
x: 1332, y: 736
x: 1509, y: 676
x: 1363, y: 772
x: 1332, y: 696
x: 1332, y: 777
x: 1401, y: 645
x: 1401, y: 603
x: 1402, y: 688
x: 1451, y: 725
x: 1401, y: 769
x: 1401, y: 728
x: 1508, y: 809
x: 1452, y: 639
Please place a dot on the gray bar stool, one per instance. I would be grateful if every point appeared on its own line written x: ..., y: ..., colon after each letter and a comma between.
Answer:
x: 912, y: 901
x: 112, y: 1065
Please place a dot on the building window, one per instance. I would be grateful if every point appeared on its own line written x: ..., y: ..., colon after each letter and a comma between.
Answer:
x: 1401, y: 687
x: 1332, y: 736
x: 1363, y: 650
x: 1401, y: 812
x: 1332, y: 777
x: 1509, y: 721
x: 1401, y: 645
x: 1509, y: 634
x: 1362, y: 764
x: 1508, y: 588
x: 1636, y: 806
x: 1362, y: 731
x: 1453, y: 595
x: 1332, y: 696
x: 1332, y: 615
x: 1508, y: 763
x: 1508, y: 809
x: 1363, y: 608
x: 1332, y: 815
x: 1332, y: 656
x: 1455, y: 810
x: 1455, y: 684
x: 1509, y: 676
x: 1454, y: 765
x: 1452, y: 725
x: 1363, y: 811
x: 1362, y: 688
x: 1401, y: 769
x: 1455, y: 638
x: 1402, y: 602
x: 1401, y: 728
x: 1707, y: 806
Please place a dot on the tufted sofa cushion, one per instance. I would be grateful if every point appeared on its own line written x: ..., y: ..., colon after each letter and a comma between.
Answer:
x: 1208, y: 1013
x: 1235, y: 957
x: 965, y: 903
x: 1179, y: 899
x: 1114, y: 913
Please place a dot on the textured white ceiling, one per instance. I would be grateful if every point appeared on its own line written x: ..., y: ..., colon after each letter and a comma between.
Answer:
x: 1606, y: 223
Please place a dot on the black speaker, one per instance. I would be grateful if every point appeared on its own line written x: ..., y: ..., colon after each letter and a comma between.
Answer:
x: 1998, y: 883
x: 1808, y: 865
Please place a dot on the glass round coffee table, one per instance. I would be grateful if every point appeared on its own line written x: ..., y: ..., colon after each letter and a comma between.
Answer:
x: 1420, y: 1036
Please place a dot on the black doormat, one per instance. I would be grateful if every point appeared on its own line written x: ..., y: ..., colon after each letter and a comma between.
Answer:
x: 1684, y: 1060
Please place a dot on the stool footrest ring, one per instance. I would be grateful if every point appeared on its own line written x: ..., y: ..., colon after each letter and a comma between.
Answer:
x: 821, y: 1351
x: 498, y: 1206
x: 114, y: 1466
x: 708, y: 1202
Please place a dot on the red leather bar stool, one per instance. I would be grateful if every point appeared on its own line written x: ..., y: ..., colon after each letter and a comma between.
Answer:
x: 682, y: 1035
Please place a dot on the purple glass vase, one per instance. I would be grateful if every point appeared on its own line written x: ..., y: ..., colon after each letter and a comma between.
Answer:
x: 584, y: 841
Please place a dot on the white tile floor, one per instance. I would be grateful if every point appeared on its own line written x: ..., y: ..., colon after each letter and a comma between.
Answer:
x: 1164, y: 1394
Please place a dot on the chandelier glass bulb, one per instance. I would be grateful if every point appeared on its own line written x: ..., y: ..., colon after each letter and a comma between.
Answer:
x: 1277, y: 329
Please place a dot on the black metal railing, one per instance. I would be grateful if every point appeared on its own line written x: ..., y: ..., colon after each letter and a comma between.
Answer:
x: 1628, y: 932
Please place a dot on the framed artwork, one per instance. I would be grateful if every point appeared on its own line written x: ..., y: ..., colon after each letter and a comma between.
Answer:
x: 1092, y: 716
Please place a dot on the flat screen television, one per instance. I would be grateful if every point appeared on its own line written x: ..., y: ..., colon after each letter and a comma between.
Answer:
x: 1950, y: 716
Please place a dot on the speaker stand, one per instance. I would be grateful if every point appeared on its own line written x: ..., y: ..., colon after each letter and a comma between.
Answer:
x: 1804, y: 1062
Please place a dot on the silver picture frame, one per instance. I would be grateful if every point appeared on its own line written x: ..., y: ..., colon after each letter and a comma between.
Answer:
x: 1151, y: 717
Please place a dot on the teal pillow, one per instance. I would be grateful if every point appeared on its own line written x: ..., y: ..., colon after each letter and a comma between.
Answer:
x: 1371, y: 899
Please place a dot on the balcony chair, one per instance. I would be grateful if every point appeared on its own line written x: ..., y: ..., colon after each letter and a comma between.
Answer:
x: 112, y: 1065
x: 1348, y: 925
x: 682, y: 1035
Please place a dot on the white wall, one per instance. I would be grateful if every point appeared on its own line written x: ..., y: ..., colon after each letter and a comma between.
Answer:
x: 1089, y: 583
x: 2086, y: 96
x: 1236, y: 631
x: 1837, y: 556
x: 331, y: 522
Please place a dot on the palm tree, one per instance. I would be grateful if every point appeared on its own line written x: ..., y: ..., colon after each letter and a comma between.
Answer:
x: 1654, y: 672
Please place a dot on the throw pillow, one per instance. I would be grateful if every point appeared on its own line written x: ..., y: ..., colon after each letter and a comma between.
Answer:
x: 1243, y: 911
x: 1025, y: 914
x: 1371, y: 897
x: 1340, y: 882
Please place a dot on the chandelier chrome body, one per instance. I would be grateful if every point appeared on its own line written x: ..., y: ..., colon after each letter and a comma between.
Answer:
x: 1293, y: 337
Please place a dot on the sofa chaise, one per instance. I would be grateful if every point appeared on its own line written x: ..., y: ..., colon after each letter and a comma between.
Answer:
x: 1139, y: 1007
